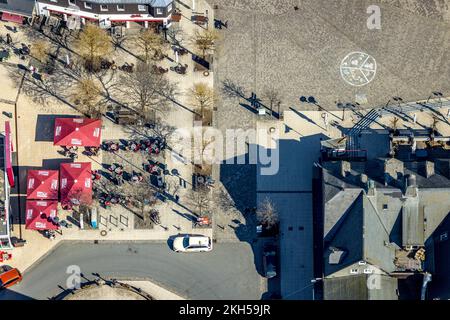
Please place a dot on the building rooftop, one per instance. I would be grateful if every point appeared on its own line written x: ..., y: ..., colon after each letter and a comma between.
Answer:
x: 384, y: 211
x: 356, y: 288
x: 23, y: 7
x: 154, y: 3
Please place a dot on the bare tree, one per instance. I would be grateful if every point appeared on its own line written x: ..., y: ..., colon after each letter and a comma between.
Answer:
x: 89, y: 98
x: 176, y: 35
x: 223, y: 199
x: 40, y: 50
x: 204, y: 153
x: 163, y: 130
x: 147, y: 92
x: 93, y: 44
x: 267, y: 214
x: 150, y: 44
x: 202, y: 97
x: 394, y: 124
x: 200, y: 199
x: 142, y: 195
x: 232, y: 90
x: 272, y: 97
x: 172, y: 186
x: 205, y: 40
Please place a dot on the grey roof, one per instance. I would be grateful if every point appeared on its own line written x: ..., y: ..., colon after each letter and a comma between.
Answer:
x: 354, y: 287
x: 21, y: 7
x: 413, y: 230
x: 153, y: 3
x: 360, y: 232
x: 374, y: 169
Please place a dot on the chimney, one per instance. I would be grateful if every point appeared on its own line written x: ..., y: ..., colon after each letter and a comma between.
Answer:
x: 371, y: 188
x: 393, y: 171
x: 411, y: 186
x: 364, y: 179
x: 345, y: 168
x: 429, y: 169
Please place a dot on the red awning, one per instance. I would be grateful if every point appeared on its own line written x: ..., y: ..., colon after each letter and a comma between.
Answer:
x: 76, y: 183
x: 77, y: 132
x: 8, y: 154
x: 12, y: 17
x: 40, y: 215
x: 42, y: 184
x: 136, y: 20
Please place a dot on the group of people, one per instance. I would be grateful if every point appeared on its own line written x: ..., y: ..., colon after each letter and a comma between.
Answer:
x: 91, y: 151
x: 148, y: 146
x: 116, y: 171
x: 108, y: 199
x: 110, y: 146
x: 71, y: 152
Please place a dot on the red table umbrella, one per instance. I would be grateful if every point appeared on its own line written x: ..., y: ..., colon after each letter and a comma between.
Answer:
x: 76, y: 183
x: 42, y: 184
x: 40, y: 215
x: 77, y: 132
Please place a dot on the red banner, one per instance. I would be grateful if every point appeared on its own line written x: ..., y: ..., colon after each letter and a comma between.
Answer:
x: 8, y: 154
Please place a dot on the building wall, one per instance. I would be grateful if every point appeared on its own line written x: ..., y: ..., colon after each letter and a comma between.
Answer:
x: 112, y: 8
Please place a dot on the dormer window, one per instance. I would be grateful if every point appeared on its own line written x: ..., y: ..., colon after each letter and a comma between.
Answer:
x: 120, y: 7
x: 72, y: 2
x: 142, y: 7
x: 88, y: 5
x: 159, y: 11
x: 103, y: 7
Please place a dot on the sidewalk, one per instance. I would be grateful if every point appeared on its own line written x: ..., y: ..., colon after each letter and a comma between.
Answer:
x: 156, y: 291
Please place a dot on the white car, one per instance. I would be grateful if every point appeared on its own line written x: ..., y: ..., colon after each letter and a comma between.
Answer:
x: 191, y: 243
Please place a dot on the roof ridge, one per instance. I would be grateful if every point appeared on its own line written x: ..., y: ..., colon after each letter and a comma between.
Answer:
x: 344, y: 217
x: 376, y: 213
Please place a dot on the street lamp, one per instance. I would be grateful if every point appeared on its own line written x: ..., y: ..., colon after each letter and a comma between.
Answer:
x: 436, y: 94
x: 313, y: 282
x: 399, y: 100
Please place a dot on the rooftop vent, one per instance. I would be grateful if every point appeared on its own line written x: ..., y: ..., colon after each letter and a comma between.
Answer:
x: 336, y: 256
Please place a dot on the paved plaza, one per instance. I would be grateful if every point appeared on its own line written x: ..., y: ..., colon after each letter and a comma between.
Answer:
x: 269, y: 44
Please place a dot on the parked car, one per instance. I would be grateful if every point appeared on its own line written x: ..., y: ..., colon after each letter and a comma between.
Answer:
x: 270, y: 261
x: 192, y: 243
x: 9, y: 277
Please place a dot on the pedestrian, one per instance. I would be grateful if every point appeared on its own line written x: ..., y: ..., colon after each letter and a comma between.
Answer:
x: 448, y: 113
x: 415, y: 118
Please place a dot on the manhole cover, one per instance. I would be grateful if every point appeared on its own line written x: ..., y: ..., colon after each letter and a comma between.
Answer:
x: 358, y: 68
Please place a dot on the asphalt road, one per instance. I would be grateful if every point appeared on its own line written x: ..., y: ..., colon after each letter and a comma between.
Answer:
x: 228, y: 272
